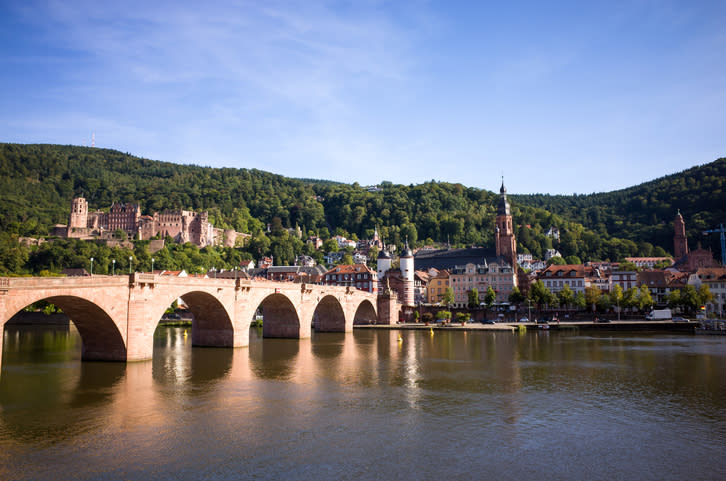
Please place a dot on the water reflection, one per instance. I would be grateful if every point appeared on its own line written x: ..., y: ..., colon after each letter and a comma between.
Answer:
x: 273, y: 358
x: 177, y: 363
x: 367, y: 405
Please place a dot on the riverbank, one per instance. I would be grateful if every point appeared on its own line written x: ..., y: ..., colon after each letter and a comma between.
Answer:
x: 39, y: 318
x: 656, y: 326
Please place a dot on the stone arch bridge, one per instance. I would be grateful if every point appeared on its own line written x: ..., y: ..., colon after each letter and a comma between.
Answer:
x: 116, y: 316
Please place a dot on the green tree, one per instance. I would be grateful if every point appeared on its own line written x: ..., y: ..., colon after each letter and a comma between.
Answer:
x: 674, y: 298
x: 616, y: 297
x: 330, y: 245
x: 565, y: 296
x: 580, y: 301
x: 592, y: 296
x: 704, y: 294
x: 448, y: 298
x: 516, y: 297
x: 690, y: 299
x: 556, y: 261
x: 490, y: 297
x: 473, y: 298
x: 645, y: 300
x: 630, y: 298
x: 573, y: 259
x: 540, y: 295
x: 603, y: 302
x: 628, y: 266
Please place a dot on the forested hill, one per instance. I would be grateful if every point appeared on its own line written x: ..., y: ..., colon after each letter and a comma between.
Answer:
x: 38, y: 182
x: 645, y: 213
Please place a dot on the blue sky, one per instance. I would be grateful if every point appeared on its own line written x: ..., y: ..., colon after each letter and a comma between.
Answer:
x: 558, y: 97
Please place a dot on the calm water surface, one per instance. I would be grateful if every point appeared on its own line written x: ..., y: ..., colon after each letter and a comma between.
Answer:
x: 453, y: 405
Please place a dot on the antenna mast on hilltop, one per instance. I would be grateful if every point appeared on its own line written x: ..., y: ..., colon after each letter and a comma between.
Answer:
x: 93, y: 139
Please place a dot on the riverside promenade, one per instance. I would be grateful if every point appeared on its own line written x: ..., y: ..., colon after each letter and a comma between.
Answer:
x: 629, y: 325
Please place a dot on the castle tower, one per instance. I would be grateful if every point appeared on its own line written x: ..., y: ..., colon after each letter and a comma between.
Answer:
x: 506, y: 244
x: 79, y: 215
x: 680, y: 242
x: 407, y: 273
x: 384, y: 265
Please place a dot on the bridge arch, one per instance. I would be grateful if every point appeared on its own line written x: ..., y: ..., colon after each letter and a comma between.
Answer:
x: 280, y: 317
x: 212, y: 324
x: 365, y: 313
x: 329, y: 315
x: 101, y: 338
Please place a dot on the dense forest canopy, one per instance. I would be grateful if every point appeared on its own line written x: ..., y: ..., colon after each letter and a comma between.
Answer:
x: 644, y: 213
x: 39, y: 181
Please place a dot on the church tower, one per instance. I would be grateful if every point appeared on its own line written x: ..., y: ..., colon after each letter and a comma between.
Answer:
x: 504, y: 232
x: 680, y: 242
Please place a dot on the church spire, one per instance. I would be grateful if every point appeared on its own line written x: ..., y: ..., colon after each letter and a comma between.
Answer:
x: 503, y: 208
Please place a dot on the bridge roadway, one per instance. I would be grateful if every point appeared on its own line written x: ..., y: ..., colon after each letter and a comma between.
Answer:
x: 116, y: 315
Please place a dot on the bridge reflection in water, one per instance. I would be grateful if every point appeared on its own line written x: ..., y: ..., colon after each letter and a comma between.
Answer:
x: 365, y: 405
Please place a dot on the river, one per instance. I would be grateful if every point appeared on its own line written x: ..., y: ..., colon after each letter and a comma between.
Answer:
x: 368, y: 405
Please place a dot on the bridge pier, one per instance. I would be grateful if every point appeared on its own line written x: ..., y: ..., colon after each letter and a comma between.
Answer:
x: 388, y: 308
x: 2, y: 338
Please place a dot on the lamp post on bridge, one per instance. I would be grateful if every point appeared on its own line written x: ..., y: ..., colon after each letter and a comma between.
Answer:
x: 152, y: 265
x: 91, y: 266
x: 130, y: 260
x: 113, y: 267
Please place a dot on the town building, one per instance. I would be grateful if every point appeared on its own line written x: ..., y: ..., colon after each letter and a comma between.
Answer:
x: 437, y: 286
x: 550, y: 253
x: 553, y: 233
x: 333, y: 257
x: 575, y: 276
x: 464, y: 279
x: 648, y: 262
x: 421, y: 281
x: 359, y: 276
x: 360, y: 258
x: 660, y: 283
x: 715, y: 279
x: 624, y: 279
x: 316, y: 242
x: 305, y: 261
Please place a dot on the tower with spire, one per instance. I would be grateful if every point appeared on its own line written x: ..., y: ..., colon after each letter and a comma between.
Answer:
x: 506, y: 244
x: 680, y: 242
x: 407, y: 275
